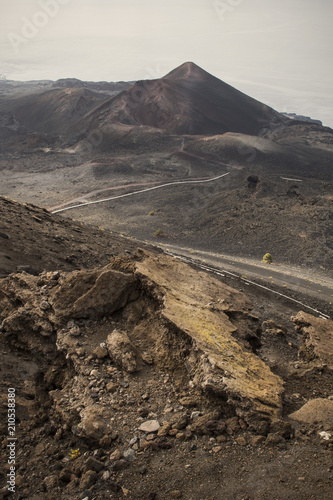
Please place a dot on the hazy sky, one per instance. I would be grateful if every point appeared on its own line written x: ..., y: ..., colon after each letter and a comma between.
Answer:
x: 278, y: 51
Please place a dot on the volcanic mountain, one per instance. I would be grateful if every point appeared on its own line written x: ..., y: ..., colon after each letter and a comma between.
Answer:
x: 188, y: 100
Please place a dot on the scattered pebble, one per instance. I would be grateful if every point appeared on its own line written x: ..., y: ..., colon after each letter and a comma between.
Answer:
x: 150, y: 426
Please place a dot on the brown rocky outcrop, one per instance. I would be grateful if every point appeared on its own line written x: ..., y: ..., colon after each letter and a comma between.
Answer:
x: 198, y: 306
x: 142, y: 308
x: 317, y: 339
x: 93, y: 294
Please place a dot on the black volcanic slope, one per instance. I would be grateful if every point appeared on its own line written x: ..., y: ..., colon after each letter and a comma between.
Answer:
x: 188, y: 100
x: 52, y: 111
x: 33, y: 240
x: 39, y: 113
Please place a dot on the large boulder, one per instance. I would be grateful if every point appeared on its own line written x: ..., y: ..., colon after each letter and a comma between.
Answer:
x: 94, y: 294
x: 95, y: 423
x: 122, y: 351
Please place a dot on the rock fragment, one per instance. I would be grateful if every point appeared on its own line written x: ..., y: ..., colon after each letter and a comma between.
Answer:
x: 317, y: 338
x: 150, y: 426
x: 100, y: 352
x: 122, y: 351
x: 93, y: 464
x: 88, y: 479
x: 95, y: 423
x: 316, y: 412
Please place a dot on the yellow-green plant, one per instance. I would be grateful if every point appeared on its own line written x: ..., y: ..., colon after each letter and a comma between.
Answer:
x: 158, y: 233
x: 267, y: 258
x: 73, y: 454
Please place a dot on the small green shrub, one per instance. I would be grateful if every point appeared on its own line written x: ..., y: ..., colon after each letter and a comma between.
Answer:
x: 158, y: 233
x: 152, y: 212
x: 267, y: 258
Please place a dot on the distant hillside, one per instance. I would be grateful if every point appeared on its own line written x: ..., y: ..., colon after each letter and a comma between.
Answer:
x: 105, y: 87
x: 32, y: 112
x: 52, y: 111
x: 301, y: 118
x: 71, y: 143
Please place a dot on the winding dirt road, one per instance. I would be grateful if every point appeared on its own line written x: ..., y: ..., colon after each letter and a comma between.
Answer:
x: 174, y: 183
x: 298, y: 286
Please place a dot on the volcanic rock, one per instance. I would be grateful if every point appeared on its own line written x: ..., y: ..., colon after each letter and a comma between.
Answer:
x: 317, y: 411
x: 317, y: 338
x: 122, y: 351
x: 224, y: 367
x: 150, y: 426
x: 93, y: 294
x: 95, y: 423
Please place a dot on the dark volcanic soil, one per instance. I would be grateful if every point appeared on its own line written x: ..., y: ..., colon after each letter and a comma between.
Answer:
x: 234, y: 215
x: 203, y: 448
x: 33, y: 240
